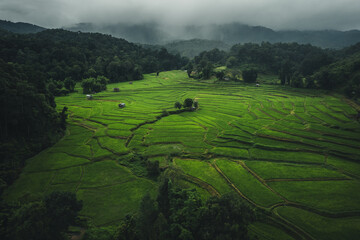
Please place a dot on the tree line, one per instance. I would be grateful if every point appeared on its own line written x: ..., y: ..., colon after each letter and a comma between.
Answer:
x: 297, y: 65
x: 60, y: 55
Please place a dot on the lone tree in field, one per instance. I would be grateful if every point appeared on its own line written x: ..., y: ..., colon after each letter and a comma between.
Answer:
x: 188, y: 103
x: 177, y: 105
x: 249, y: 75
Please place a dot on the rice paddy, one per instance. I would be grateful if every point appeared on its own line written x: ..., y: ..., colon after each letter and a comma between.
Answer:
x: 294, y: 153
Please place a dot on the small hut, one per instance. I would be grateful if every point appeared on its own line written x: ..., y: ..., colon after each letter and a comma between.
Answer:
x: 89, y: 97
x: 121, y: 105
x: 130, y: 82
x: 116, y: 89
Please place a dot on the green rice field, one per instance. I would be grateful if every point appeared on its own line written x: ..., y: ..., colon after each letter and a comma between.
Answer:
x: 293, y: 153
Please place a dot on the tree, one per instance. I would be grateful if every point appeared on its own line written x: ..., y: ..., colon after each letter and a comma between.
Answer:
x: 63, y: 117
x: 91, y: 85
x: 62, y: 208
x: 188, y: 103
x: 224, y: 218
x: 69, y: 84
x: 207, y: 70
x: 177, y: 105
x: 147, y: 216
x: 220, y: 75
x: 189, y: 70
x: 231, y: 62
x: 249, y: 75
x: 46, y: 219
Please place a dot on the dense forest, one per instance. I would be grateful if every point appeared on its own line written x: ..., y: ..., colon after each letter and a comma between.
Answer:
x: 29, y: 121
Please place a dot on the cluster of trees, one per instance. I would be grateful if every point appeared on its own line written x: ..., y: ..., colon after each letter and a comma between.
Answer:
x: 28, y: 121
x: 94, y: 85
x: 296, y: 65
x: 180, y: 214
x: 40, y: 220
x: 188, y: 104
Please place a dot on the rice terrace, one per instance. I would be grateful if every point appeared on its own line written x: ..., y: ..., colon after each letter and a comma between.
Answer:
x: 292, y: 153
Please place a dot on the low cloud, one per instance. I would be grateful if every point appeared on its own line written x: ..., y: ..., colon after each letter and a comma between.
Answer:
x: 276, y: 14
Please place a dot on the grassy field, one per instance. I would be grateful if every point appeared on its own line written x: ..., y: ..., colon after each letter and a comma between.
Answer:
x: 272, y: 145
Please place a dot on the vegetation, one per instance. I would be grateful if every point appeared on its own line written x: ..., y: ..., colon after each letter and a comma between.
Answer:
x: 291, y: 153
x: 46, y: 219
x: 296, y: 147
x: 28, y: 122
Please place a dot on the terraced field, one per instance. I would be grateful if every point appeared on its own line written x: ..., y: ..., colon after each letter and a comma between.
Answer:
x: 293, y: 153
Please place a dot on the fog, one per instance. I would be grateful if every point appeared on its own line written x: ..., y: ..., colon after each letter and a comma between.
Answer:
x: 275, y: 14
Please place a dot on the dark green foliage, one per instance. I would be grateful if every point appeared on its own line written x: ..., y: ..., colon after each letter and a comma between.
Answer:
x: 153, y: 168
x: 285, y: 72
x: 220, y: 75
x: 206, y: 70
x: 188, y: 103
x: 249, y: 75
x: 69, y: 84
x: 47, y: 219
x: 231, y: 62
x: 189, y: 70
x: 28, y: 122
x: 181, y: 215
x: 147, y: 215
x: 224, y: 218
x: 100, y: 233
x: 344, y: 73
x: 177, y: 105
x: 94, y: 85
x: 196, y: 104
x: 62, y: 208
x: 297, y: 80
x: 63, y: 117
x: 140, y: 165
x: 127, y: 229
x: 59, y: 54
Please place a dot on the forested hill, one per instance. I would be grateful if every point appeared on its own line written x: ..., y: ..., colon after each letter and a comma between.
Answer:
x: 20, y: 27
x: 60, y: 54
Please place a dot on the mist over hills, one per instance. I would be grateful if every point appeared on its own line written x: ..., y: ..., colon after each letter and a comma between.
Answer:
x: 176, y: 38
x: 232, y: 33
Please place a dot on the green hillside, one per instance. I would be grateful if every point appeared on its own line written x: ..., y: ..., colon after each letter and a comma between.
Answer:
x: 294, y: 153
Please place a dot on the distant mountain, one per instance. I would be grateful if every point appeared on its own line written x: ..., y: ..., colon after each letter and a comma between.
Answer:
x: 148, y: 33
x: 20, y: 27
x: 232, y: 33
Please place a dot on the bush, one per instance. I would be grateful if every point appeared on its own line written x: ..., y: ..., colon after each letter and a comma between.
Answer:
x: 249, y: 75
x: 188, y: 103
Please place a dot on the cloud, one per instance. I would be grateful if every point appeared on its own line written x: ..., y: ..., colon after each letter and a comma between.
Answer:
x: 277, y: 14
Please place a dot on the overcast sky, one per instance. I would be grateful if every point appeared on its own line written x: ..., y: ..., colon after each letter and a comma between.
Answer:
x: 276, y: 14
